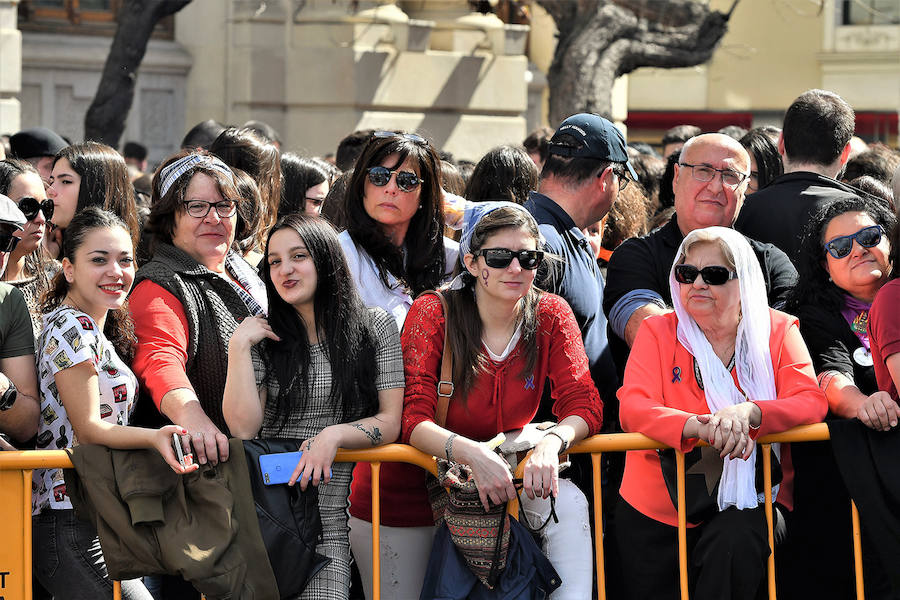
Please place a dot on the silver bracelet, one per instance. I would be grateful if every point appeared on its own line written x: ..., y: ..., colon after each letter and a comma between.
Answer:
x: 565, y: 444
x: 448, y: 447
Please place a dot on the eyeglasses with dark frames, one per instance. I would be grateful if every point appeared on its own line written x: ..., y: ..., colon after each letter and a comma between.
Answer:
x: 406, y: 180
x: 412, y: 137
x: 500, y: 258
x: 867, y: 237
x: 200, y: 208
x: 712, y: 275
x: 706, y: 173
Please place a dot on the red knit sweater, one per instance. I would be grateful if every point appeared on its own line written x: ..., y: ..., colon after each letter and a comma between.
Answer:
x: 501, y: 399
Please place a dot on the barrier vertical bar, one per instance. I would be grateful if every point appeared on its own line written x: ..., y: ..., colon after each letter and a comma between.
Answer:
x: 117, y: 590
x: 682, y: 525
x: 857, y: 553
x: 770, y: 520
x: 26, y: 567
x: 598, y: 525
x: 376, y: 530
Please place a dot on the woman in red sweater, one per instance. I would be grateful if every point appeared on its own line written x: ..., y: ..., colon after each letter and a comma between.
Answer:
x: 507, y: 338
x: 724, y: 368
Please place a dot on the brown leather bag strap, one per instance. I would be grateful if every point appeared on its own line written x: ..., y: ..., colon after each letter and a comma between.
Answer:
x: 445, y: 384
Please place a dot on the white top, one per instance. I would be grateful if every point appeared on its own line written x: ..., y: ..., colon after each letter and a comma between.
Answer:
x: 395, y: 299
x: 71, y: 337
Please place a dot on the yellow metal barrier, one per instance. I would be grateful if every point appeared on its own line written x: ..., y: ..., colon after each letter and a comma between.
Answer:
x: 15, y: 503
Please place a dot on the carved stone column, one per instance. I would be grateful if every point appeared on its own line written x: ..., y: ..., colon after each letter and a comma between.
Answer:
x: 10, y: 67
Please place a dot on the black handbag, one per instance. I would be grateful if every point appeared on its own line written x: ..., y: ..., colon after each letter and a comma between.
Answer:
x: 289, y: 521
x: 702, y: 474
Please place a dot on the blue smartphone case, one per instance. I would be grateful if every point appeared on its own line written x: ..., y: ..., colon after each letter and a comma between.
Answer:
x: 277, y: 468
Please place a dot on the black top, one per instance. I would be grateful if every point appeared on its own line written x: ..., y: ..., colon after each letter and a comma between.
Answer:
x: 645, y: 262
x: 832, y: 343
x: 779, y: 213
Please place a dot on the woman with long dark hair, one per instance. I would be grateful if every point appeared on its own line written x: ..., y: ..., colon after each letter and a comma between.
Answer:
x: 843, y: 263
x: 304, y: 184
x: 88, y: 393
x: 329, y: 372
x: 765, y: 161
x: 89, y: 174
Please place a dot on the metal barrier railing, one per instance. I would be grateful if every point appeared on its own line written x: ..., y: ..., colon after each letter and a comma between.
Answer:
x: 15, y: 503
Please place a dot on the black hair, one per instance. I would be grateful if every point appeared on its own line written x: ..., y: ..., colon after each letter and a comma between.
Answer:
x: 768, y: 161
x: 573, y: 170
x: 666, y: 191
x: 298, y: 174
x: 504, y: 173
x: 351, y: 147
x: 680, y: 133
x: 11, y: 169
x: 419, y: 263
x: 817, y: 127
x: 874, y: 188
x: 344, y: 323
x: 263, y: 130
x: 202, y: 135
x: 813, y: 284
x: 875, y: 162
x: 119, y: 328
x: 134, y: 150
x: 539, y: 141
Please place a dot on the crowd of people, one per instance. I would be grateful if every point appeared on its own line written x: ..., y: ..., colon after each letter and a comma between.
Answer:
x: 735, y: 284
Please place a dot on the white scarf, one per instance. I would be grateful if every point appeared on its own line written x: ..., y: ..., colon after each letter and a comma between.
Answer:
x: 752, y: 357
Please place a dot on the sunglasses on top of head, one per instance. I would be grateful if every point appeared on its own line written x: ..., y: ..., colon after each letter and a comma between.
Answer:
x: 406, y: 180
x: 412, y: 137
x: 867, y: 237
x: 500, y: 258
x: 30, y: 207
x: 712, y: 275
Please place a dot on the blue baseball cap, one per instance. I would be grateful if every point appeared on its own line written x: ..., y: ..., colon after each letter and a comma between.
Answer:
x: 596, y: 138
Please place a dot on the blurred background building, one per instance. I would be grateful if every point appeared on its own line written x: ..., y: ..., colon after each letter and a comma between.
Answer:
x: 318, y: 69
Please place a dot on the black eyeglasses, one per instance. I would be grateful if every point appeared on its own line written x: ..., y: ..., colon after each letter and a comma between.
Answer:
x: 7, y: 241
x: 500, y: 258
x: 867, y: 237
x: 623, y: 178
x: 712, y: 275
x: 30, y: 207
x: 406, y: 180
x: 706, y: 173
x: 412, y: 137
x: 200, y: 208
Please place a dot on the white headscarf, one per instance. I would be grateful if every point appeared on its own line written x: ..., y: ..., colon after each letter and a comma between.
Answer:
x: 753, y: 360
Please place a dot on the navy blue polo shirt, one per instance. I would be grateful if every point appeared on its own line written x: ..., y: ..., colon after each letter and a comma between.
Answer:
x: 579, y: 281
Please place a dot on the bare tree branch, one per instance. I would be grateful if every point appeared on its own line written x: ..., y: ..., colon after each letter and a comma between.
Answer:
x: 600, y: 40
x: 105, y: 119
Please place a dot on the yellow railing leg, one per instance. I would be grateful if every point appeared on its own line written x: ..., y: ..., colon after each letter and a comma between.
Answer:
x: 770, y: 516
x: 857, y: 553
x: 117, y: 590
x: 376, y: 531
x: 682, y: 525
x: 598, y: 525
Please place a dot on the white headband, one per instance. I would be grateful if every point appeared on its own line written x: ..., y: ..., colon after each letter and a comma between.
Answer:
x: 170, y: 173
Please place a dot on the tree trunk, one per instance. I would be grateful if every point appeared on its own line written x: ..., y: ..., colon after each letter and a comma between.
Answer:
x: 599, y: 40
x: 105, y: 119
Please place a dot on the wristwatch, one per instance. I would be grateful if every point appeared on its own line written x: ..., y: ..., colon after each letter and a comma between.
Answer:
x: 9, y: 396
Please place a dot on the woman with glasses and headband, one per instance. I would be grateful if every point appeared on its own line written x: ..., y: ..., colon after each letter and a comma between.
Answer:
x: 843, y: 263
x: 26, y: 267
x: 507, y: 338
x: 725, y: 368
x: 89, y: 174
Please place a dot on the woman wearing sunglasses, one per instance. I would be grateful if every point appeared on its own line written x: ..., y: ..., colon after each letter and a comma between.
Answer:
x: 26, y: 267
x: 507, y: 339
x: 842, y: 264
x: 725, y: 368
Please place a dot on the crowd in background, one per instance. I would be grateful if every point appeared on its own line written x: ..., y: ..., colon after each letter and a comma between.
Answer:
x: 717, y: 287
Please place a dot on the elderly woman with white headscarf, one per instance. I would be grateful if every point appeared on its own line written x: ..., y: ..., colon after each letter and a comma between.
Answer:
x: 725, y: 368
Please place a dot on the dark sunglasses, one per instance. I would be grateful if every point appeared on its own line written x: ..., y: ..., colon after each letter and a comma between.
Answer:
x: 406, y: 180
x: 8, y: 241
x: 867, y: 237
x: 499, y: 258
x: 30, y: 207
x: 713, y: 275
x: 412, y: 137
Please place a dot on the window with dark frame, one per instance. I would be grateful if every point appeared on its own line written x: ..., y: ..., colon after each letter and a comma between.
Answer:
x: 86, y: 17
x: 870, y: 12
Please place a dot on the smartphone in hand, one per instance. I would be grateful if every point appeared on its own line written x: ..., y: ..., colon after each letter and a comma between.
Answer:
x: 186, y: 460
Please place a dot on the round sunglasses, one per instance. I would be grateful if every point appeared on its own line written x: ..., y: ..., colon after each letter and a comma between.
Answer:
x: 712, y: 275
x: 867, y: 237
x: 30, y: 207
x: 406, y: 180
x: 499, y: 258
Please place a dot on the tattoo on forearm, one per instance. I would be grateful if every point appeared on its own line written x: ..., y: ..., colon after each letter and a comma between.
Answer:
x: 374, y: 435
